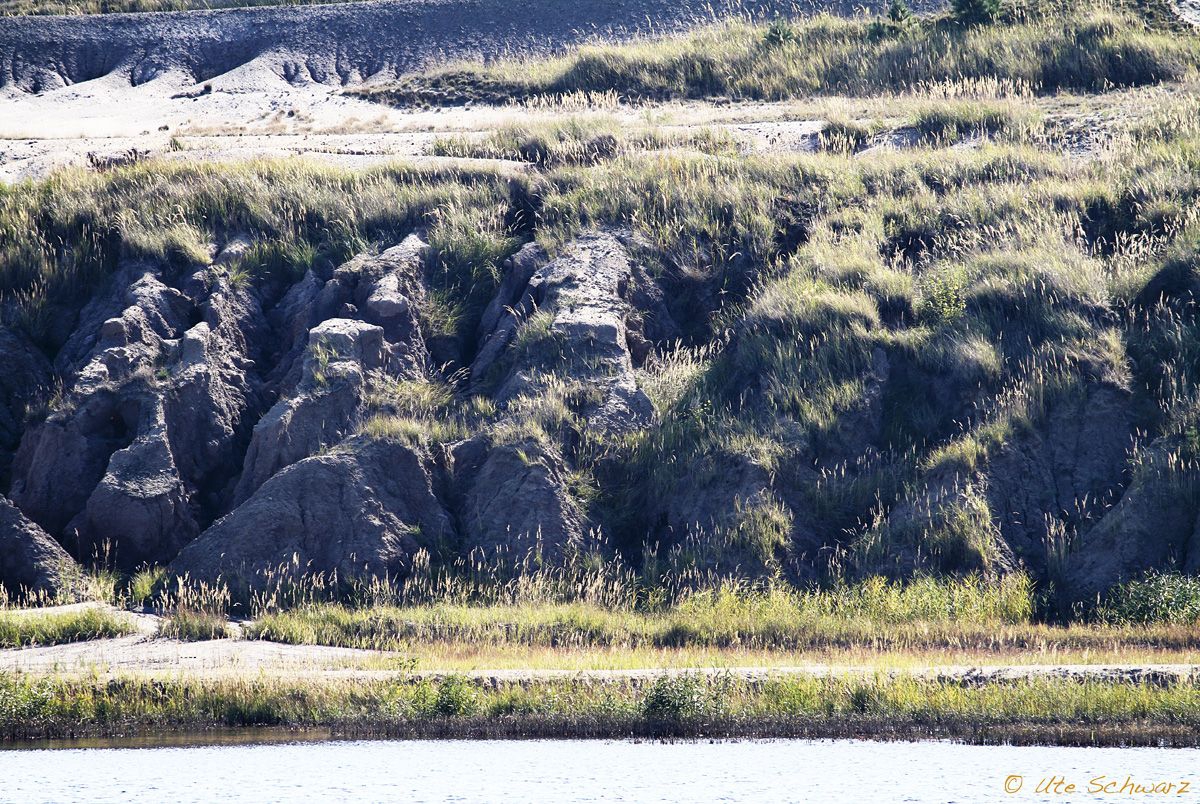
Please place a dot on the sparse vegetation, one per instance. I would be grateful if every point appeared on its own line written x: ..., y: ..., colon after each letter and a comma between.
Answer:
x: 194, y: 612
x: 58, y: 239
x: 581, y: 141
x: 925, y: 613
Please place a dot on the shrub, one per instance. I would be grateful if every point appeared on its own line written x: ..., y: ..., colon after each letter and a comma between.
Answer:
x: 145, y: 584
x: 942, y: 298
x: 1156, y: 597
x: 975, y: 12
x: 674, y: 698
x: 456, y: 697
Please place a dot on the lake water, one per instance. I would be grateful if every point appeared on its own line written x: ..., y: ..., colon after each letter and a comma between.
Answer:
x: 569, y: 771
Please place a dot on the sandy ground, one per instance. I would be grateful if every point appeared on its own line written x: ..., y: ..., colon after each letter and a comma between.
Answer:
x: 269, y: 82
x: 218, y: 100
x: 143, y: 654
x: 40, y: 133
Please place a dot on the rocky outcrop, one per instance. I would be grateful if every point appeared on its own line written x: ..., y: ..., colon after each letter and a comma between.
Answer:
x: 360, y: 511
x: 359, y: 326
x: 152, y: 425
x: 25, y: 382
x: 1155, y: 524
x: 62, y: 459
x: 337, y: 366
x: 108, y: 361
x: 516, y: 503
x: 139, y: 512
x: 1071, y: 468
x: 213, y: 393
x: 161, y: 430
x: 573, y: 319
x: 384, y: 289
x: 228, y: 423
x: 30, y: 561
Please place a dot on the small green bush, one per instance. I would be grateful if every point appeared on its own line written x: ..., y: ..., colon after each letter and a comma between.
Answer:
x: 899, y: 12
x: 145, y: 584
x: 975, y: 12
x: 674, y: 698
x: 456, y: 697
x: 1156, y: 597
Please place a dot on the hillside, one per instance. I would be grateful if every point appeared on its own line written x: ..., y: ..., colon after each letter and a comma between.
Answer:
x: 803, y: 302
x: 342, y: 43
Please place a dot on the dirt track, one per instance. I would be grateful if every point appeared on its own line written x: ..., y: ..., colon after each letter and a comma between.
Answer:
x: 145, y: 655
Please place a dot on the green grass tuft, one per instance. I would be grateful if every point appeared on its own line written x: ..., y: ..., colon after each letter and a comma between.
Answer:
x: 32, y: 627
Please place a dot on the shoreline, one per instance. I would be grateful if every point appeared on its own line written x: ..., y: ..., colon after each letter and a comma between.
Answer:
x: 1036, y: 711
x: 858, y: 733
x: 1147, y: 735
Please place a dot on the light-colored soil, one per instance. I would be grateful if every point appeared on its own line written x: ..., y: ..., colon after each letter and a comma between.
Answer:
x: 40, y: 133
x: 269, y: 82
x: 145, y: 655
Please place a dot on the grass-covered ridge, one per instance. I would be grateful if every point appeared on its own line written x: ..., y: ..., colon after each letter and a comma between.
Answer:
x: 1035, y: 47
x: 59, y: 238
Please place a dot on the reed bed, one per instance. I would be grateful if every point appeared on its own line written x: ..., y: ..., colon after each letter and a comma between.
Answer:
x: 1049, y: 711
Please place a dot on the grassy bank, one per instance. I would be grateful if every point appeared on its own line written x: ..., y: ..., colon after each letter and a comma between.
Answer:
x: 584, y: 627
x: 875, y: 623
x: 924, y: 615
x: 1041, y: 711
x: 20, y: 629
x: 1037, y: 47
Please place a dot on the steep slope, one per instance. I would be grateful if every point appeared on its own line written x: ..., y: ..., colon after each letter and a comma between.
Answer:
x: 346, y: 43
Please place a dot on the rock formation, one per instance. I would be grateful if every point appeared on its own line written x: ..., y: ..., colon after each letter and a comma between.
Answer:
x: 30, y: 561
x: 229, y: 427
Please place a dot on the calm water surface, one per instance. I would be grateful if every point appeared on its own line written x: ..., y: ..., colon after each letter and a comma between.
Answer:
x: 568, y: 771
